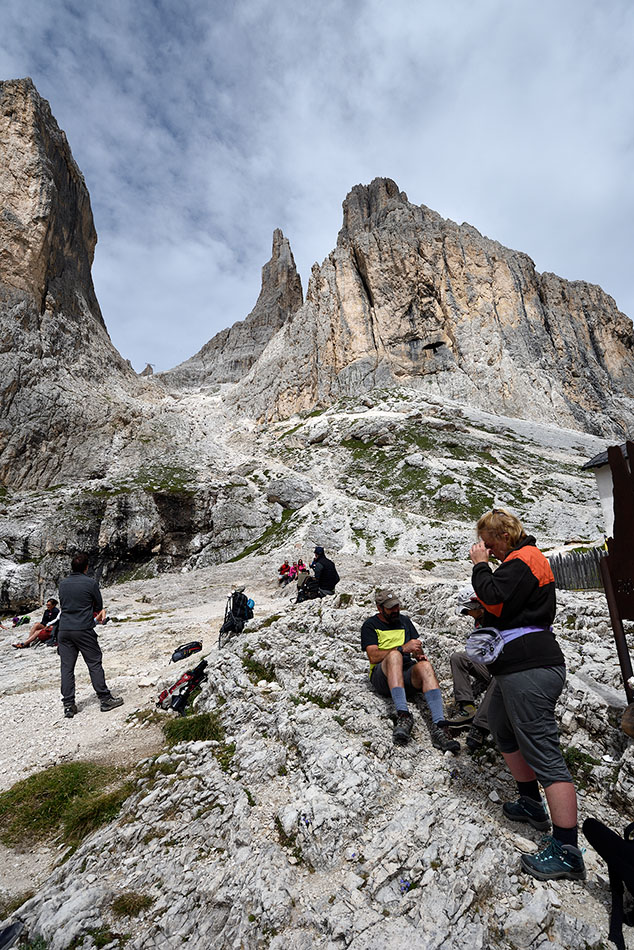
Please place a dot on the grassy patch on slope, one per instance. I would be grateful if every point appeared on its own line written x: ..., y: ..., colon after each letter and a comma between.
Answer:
x: 66, y: 801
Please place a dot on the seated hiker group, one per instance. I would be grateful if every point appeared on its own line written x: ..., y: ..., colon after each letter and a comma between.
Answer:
x: 513, y: 653
x: 321, y: 583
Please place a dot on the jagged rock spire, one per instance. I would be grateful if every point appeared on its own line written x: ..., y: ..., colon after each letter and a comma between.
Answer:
x: 229, y: 355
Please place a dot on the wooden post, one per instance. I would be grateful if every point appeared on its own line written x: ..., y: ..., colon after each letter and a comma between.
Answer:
x: 617, y: 568
x: 617, y: 627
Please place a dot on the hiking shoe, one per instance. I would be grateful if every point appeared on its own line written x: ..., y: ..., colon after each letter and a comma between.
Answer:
x: 441, y: 739
x: 111, y: 703
x: 475, y: 738
x: 70, y: 710
x: 525, y: 809
x: 464, y: 716
x: 403, y: 728
x: 21, y: 646
x: 555, y: 861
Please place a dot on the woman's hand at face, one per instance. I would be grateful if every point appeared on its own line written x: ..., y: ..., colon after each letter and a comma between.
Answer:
x: 479, y: 553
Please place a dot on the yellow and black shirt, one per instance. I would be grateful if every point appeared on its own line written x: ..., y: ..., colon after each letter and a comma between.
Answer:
x: 387, y: 636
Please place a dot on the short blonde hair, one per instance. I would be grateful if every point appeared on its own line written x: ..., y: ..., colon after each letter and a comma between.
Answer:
x: 499, y: 522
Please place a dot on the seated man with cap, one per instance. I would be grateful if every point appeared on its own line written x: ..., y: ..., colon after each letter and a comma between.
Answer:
x: 398, y: 666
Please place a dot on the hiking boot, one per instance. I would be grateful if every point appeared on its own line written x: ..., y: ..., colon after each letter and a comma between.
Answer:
x: 555, y: 861
x: 403, y: 728
x: 475, y: 738
x: 464, y: 716
x: 70, y: 710
x: 111, y: 703
x: 441, y: 739
x: 525, y: 809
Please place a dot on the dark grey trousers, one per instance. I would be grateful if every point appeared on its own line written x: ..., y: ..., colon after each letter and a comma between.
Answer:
x: 462, y: 669
x: 522, y: 716
x: 71, y: 644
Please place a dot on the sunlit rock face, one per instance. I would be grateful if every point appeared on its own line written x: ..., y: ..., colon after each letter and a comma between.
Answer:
x: 229, y: 355
x: 409, y: 297
x: 62, y: 383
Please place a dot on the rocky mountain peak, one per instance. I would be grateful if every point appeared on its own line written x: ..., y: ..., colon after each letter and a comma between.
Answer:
x: 229, y: 355
x: 55, y: 351
x: 47, y: 234
x: 409, y: 297
x: 366, y: 206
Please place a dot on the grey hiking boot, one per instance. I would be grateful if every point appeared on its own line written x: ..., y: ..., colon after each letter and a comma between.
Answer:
x: 402, y: 728
x: 441, y: 739
x: 111, y: 703
x: 555, y: 861
x: 464, y: 716
x: 527, y: 810
x: 70, y: 710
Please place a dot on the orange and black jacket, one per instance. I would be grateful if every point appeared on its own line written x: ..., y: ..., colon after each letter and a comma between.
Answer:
x: 520, y: 593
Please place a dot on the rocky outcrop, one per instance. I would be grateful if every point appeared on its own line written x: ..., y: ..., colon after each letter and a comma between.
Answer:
x: 408, y: 297
x: 128, y: 534
x: 231, y: 353
x: 60, y: 376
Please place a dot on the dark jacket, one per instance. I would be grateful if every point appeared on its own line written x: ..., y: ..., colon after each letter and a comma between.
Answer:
x: 520, y: 593
x: 325, y: 572
x: 79, y: 599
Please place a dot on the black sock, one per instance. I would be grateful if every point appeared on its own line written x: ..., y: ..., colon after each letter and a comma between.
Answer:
x: 565, y: 835
x: 529, y: 790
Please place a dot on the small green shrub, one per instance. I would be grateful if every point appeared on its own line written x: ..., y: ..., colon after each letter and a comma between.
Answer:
x: 257, y: 671
x: 319, y: 701
x: 206, y: 726
x: 131, y: 904
x: 580, y: 765
x: 269, y: 620
x: 224, y: 755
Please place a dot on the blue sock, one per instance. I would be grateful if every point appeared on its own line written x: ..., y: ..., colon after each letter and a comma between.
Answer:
x: 398, y: 695
x: 433, y: 698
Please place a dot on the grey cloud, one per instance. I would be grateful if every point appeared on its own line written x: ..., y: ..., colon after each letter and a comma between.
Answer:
x: 200, y: 128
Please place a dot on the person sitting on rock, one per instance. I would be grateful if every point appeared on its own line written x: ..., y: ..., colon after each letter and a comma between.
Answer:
x: 283, y: 573
x: 462, y: 670
x: 325, y: 572
x: 399, y: 667
x: 49, y: 617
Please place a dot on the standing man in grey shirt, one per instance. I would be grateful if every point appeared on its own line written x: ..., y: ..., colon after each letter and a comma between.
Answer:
x: 80, y: 599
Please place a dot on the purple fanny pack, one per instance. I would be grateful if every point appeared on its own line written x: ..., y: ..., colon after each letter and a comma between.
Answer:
x: 486, y: 643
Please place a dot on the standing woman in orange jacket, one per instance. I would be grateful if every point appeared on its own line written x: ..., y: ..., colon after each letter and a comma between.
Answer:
x: 530, y: 672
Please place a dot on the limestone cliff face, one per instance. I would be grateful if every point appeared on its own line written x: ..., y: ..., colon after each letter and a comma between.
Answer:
x: 409, y: 297
x: 62, y: 382
x: 229, y: 355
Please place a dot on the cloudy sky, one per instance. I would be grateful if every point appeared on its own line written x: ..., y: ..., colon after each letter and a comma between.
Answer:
x: 202, y: 125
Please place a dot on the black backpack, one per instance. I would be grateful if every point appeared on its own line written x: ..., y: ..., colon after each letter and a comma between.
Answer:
x: 618, y: 853
x: 237, y: 612
x: 308, y: 591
